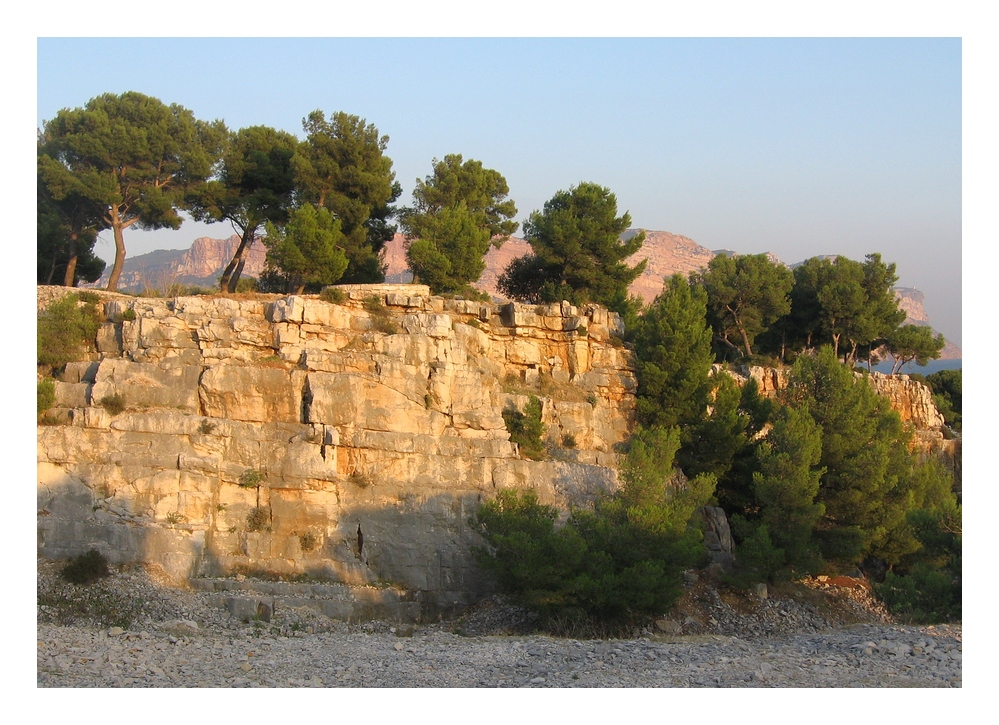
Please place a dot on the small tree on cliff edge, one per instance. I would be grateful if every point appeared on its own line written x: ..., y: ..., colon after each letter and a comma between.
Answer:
x: 745, y: 295
x: 577, y: 251
x: 458, y: 213
x: 341, y: 166
x: 308, y: 252
x: 913, y: 343
x: 255, y: 188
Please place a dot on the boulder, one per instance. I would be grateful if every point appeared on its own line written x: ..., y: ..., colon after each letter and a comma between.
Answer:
x: 718, y: 536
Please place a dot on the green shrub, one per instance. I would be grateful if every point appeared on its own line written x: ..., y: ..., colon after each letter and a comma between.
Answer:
x: 360, y: 480
x: 926, y: 586
x: 65, y: 328
x: 128, y: 315
x: 526, y: 429
x: 758, y: 559
x: 308, y: 541
x: 86, y: 568
x: 247, y: 285
x: 251, y: 478
x: 258, y: 519
x: 923, y: 595
x: 333, y: 295
x: 568, y: 440
x: 182, y: 290
x: 46, y: 395
x: 114, y: 404
x: 88, y: 296
x: 381, y: 318
x: 615, y: 564
x: 946, y: 387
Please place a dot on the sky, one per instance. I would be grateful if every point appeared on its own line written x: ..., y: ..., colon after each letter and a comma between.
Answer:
x: 793, y: 146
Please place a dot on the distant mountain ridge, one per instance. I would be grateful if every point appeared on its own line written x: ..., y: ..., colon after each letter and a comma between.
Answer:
x: 202, y: 264
x: 667, y: 254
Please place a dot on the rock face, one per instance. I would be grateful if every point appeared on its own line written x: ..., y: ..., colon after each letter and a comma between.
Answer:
x: 667, y: 254
x: 272, y: 434
x: 911, y: 300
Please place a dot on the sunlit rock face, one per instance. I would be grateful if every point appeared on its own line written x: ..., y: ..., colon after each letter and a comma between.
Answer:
x: 259, y: 434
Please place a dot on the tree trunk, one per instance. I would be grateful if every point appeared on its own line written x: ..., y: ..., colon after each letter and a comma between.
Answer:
x: 850, y: 358
x: 745, y: 341
x: 69, y: 280
x: 51, y: 270
x: 119, y: 251
x: 230, y: 277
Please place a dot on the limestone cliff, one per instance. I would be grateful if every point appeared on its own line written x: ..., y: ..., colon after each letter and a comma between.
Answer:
x: 275, y: 433
x: 264, y: 433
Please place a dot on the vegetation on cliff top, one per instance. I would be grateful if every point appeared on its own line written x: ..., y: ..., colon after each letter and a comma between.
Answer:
x: 459, y: 212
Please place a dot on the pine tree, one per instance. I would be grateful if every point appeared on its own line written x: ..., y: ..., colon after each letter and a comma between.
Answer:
x: 673, y: 349
x: 577, y: 251
x: 867, y: 486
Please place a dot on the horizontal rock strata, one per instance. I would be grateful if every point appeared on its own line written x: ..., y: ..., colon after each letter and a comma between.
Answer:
x: 350, y: 441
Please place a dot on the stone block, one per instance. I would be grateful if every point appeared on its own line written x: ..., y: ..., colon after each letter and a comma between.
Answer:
x: 71, y: 395
x: 246, y: 609
x: 162, y: 422
x: 109, y: 340
x: 80, y: 372
x: 93, y: 418
x: 523, y: 352
x: 344, y: 399
x: 289, y: 309
x: 148, y: 384
x: 252, y: 393
x: 167, y: 332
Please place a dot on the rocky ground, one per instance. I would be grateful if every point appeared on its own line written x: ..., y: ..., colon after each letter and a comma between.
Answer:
x: 130, y: 630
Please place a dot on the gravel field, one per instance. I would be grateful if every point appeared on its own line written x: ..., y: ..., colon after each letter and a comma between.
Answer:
x: 181, y: 638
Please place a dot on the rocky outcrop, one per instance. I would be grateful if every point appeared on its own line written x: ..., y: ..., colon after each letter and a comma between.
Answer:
x: 351, y: 442
x: 273, y: 433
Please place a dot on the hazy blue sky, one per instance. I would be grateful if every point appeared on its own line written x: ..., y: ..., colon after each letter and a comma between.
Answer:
x: 797, y: 147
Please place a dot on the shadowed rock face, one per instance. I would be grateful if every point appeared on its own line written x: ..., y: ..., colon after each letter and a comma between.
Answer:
x: 260, y: 434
